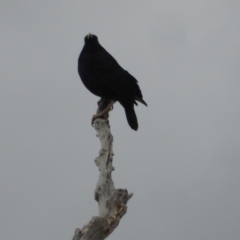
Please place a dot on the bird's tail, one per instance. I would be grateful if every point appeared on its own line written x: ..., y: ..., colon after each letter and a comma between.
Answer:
x: 131, y: 117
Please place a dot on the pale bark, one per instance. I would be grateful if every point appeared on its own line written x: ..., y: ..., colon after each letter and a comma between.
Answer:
x: 112, y: 202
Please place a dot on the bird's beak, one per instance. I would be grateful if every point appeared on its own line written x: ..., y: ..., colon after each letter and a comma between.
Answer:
x: 89, y: 35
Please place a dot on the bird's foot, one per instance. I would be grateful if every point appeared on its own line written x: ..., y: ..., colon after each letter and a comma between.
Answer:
x: 103, y: 114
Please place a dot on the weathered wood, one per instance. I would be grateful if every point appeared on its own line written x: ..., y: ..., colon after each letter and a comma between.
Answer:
x: 112, y: 202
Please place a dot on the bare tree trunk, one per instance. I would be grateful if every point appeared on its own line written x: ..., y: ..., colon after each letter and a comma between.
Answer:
x: 112, y: 202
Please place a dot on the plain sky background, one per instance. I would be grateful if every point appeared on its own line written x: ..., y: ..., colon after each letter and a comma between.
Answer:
x: 182, y: 164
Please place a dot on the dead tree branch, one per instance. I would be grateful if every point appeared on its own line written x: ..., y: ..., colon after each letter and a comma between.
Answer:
x: 112, y: 202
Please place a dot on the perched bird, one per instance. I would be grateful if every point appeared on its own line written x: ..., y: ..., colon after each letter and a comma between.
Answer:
x: 104, y: 77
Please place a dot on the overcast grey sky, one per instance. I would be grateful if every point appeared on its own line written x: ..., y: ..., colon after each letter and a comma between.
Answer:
x: 182, y: 164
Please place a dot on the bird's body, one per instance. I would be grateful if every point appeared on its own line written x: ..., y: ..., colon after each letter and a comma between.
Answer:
x: 104, y: 77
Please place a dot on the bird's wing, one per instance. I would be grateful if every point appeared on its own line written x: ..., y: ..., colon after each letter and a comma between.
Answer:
x: 116, y: 79
x: 106, y: 69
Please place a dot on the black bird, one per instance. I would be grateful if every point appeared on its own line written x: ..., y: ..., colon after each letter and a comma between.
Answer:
x: 104, y: 77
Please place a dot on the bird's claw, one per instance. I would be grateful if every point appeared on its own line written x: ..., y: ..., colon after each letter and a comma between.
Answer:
x: 93, y: 119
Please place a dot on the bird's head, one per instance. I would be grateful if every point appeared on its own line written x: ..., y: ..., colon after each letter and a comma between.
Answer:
x: 92, y: 39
